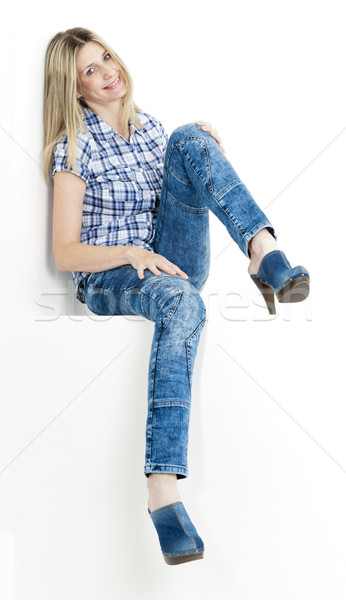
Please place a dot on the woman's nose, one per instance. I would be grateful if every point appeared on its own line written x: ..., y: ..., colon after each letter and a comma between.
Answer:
x: 109, y: 71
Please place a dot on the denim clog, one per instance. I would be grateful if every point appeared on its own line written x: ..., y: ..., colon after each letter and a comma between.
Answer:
x: 276, y: 275
x: 178, y: 537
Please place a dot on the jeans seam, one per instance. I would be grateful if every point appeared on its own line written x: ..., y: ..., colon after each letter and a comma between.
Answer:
x: 87, y: 278
x: 149, y: 465
x: 182, y: 526
x: 172, y: 402
x: 206, y: 154
x: 174, y: 307
x: 176, y: 175
x: 215, y: 198
x: 188, y: 349
x: 190, y: 209
x: 162, y: 327
x: 159, y: 231
x: 261, y: 225
x: 228, y: 188
x: 285, y: 261
x: 106, y: 289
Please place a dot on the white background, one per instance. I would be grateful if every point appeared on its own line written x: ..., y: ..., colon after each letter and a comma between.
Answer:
x: 267, y: 452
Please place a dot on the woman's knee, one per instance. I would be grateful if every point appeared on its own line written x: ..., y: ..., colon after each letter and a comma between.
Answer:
x: 186, y: 307
x: 170, y: 297
x: 190, y: 130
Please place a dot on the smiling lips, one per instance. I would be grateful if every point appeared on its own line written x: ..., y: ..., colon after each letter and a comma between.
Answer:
x: 113, y: 84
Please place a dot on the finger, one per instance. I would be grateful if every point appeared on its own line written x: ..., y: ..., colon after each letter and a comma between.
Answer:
x: 215, y: 134
x: 171, y: 266
x: 167, y: 265
x: 205, y: 125
x: 140, y: 273
x: 181, y: 273
x: 170, y: 269
x: 155, y: 270
x: 216, y: 137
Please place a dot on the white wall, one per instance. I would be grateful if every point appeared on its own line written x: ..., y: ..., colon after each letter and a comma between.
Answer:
x: 267, y: 453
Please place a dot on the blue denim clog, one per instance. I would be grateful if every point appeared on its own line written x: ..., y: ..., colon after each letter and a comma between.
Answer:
x: 276, y: 275
x: 178, y: 537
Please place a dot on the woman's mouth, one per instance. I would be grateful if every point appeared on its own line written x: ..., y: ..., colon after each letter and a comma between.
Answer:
x: 113, y: 84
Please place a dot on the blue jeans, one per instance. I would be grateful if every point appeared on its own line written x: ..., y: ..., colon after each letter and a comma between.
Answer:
x: 197, y: 178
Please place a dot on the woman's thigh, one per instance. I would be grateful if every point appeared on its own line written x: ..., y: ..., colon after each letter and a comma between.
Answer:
x: 182, y: 228
x: 120, y: 291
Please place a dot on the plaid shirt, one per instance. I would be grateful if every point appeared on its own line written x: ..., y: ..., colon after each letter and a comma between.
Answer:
x: 123, y: 182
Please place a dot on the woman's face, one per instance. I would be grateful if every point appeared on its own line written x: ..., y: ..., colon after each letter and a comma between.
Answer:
x: 100, y: 77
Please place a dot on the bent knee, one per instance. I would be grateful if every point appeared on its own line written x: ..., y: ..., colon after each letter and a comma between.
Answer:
x: 185, y: 131
x: 191, y: 310
x: 174, y: 297
x: 183, y: 303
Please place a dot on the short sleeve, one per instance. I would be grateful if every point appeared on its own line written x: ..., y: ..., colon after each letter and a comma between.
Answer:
x: 82, y: 162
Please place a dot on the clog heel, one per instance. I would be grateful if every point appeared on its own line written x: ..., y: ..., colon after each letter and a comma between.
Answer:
x: 178, y: 537
x: 276, y: 276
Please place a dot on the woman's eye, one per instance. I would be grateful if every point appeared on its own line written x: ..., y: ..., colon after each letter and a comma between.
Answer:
x: 92, y: 69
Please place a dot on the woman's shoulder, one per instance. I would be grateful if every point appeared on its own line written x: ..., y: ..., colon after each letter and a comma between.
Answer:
x: 84, y: 141
x: 148, y: 121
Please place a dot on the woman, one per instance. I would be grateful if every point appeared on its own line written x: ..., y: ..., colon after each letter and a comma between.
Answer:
x: 131, y: 221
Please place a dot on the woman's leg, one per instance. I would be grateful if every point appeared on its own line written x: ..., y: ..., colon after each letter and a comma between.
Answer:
x: 198, y: 177
x: 178, y: 311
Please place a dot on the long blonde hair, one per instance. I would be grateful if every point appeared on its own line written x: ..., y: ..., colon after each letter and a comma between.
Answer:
x: 62, y: 110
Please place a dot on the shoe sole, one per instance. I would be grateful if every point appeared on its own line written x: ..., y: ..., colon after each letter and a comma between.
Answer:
x: 176, y: 560
x: 296, y: 290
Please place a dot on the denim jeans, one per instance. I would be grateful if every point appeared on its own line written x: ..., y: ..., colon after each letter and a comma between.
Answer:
x: 197, y: 178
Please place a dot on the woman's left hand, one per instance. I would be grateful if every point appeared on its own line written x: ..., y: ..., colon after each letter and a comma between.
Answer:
x: 207, y: 127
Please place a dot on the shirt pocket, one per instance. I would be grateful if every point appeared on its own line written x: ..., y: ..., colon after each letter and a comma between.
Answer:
x: 118, y: 190
x: 118, y: 174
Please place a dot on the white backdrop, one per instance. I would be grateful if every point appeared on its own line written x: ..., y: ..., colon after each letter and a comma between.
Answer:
x: 267, y: 453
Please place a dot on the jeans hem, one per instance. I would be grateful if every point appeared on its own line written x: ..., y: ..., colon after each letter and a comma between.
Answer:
x: 181, y: 472
x: 250, y: 234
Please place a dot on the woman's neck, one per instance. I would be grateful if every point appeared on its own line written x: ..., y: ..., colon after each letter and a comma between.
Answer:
x: 112, y: 115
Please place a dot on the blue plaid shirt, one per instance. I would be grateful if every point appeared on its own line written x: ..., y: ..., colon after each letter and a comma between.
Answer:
x: 123, y: 182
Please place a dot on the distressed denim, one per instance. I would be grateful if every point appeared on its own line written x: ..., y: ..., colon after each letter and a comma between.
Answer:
x: 197, y: 178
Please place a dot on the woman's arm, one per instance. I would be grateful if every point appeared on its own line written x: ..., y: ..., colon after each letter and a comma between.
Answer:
x: 71, y: 255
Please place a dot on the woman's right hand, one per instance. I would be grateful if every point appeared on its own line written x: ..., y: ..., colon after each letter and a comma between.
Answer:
x: 142, y: 259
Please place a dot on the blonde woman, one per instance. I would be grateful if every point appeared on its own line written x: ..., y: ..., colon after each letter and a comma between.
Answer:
x: 131, y: 222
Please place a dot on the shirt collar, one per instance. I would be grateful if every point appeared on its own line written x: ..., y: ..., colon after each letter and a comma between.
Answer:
x: 100, y: 129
